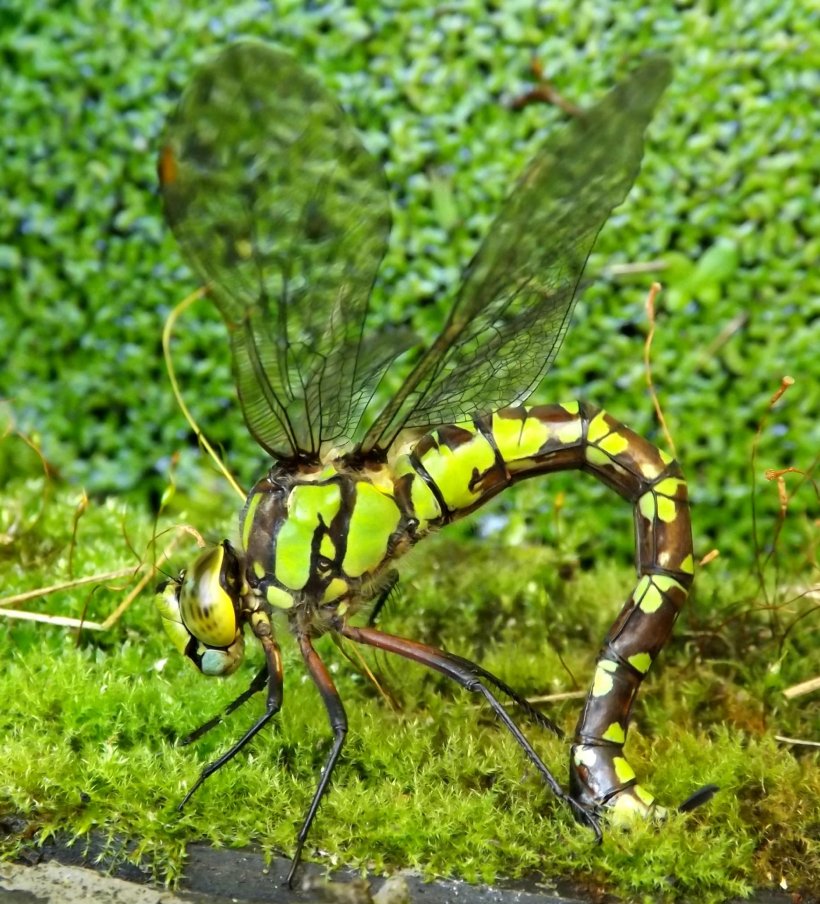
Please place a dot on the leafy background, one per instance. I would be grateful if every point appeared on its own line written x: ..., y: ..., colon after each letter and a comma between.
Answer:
x: 726, y: 201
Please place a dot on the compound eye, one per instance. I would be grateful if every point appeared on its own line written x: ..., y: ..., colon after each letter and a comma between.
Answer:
x: 167, y: 602
x: 222, y: 662
x: 209, y: 600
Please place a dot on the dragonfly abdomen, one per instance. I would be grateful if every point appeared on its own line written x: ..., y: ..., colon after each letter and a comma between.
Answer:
x: 454, y: 469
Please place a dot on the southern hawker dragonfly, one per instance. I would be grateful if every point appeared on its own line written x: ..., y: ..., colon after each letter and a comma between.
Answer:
x: 282, y: 212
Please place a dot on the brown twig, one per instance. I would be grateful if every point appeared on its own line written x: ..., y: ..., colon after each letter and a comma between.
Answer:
x: 785, y: 383
x: 543, y: 92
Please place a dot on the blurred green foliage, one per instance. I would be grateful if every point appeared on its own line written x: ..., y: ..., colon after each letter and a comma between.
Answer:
x: 88, y: 271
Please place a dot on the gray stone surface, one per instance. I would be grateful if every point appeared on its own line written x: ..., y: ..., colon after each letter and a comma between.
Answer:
x: 61, y: 874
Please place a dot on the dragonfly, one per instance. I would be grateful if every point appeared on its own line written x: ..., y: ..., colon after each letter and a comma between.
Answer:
x: 285, y: 216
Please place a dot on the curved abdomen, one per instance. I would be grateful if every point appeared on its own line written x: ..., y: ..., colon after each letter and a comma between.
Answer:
x: 457, y: 468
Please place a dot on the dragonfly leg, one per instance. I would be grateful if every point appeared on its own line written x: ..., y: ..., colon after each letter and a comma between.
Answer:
x: 338, y: 721
x: 475, y: 679
x: 259, y: 682
x: 393, y: 579
x: 273, y: 669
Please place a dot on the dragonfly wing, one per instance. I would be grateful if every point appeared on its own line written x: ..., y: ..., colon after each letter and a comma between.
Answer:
x: 279, y: 207
x: 512, y: 310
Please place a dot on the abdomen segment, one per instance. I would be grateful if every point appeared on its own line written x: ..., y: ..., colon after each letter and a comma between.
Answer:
x: 457, y: 468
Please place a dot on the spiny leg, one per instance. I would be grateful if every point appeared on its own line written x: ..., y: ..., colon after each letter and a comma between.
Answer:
x: 273, y: 667
x: 338, y: 722
x: 521, y: 702
x: 469, y: 676
x: 393, y: 580
x: 259, y: 682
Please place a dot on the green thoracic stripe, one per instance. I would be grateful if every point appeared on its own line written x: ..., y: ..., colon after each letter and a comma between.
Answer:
x: 278, y: 597
x: 374, y: 518
x: 248, y: 516
x: 310, y: 506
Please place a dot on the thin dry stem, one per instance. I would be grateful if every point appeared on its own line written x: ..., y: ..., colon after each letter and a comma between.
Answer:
x: 167, y: 333
x: 654, y: 290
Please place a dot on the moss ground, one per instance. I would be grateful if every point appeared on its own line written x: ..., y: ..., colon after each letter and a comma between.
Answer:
x: 88, y: 727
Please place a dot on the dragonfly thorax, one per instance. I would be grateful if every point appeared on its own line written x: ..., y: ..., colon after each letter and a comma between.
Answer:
x: 318, y: 541
x: 317, y: 544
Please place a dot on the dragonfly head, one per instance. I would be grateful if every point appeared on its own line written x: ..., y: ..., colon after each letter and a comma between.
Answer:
x: 200, y: 611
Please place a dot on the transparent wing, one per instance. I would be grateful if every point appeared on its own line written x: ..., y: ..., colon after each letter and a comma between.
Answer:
x: 512, y: 310
x: 279, y: 207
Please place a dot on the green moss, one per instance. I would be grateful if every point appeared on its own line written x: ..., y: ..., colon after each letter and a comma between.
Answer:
x: 88, y: 728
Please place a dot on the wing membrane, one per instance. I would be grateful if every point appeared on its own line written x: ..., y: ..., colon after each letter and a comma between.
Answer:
x: 512, y: 310
x: 279, y: 207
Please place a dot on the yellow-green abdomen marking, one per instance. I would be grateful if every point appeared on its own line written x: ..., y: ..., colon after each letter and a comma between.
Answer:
x: 455, y: 458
